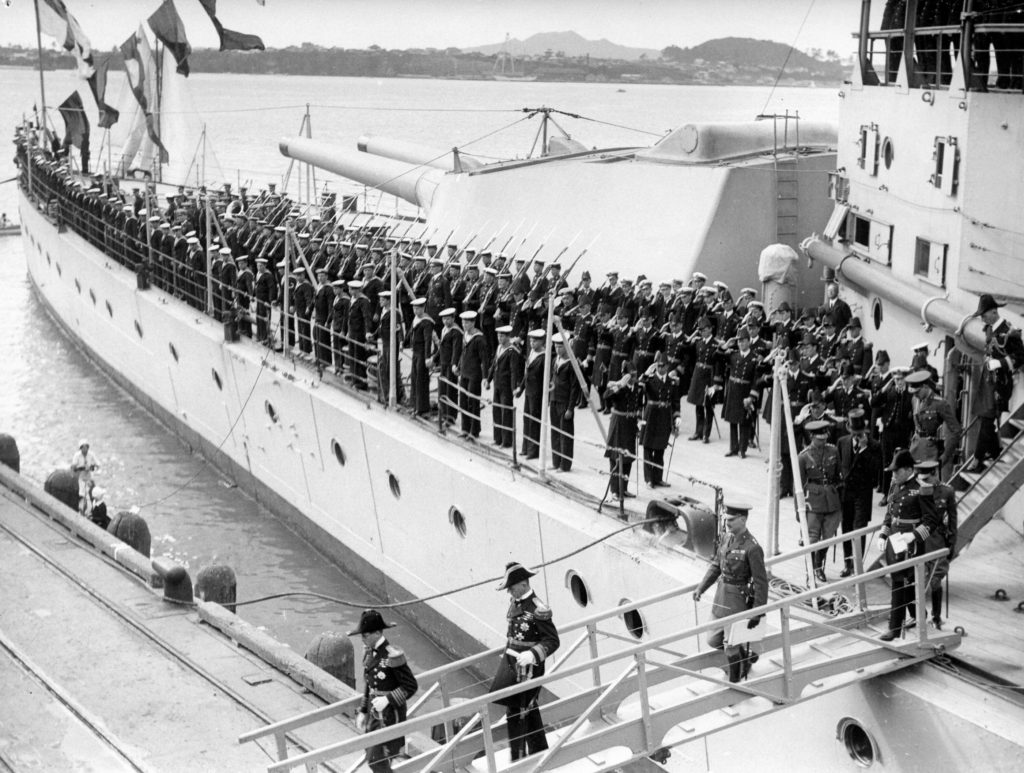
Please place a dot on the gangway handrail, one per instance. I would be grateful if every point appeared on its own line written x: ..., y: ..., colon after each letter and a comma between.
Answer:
x: 479, y: 704
x: 432, y: 676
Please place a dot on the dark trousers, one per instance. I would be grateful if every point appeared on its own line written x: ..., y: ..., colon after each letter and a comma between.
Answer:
x: 420, y: 384
x: 447, y: 394
x: 987, y: 446
x: 504, y: 417
x: 531, y: 427
x: 469, y: 403
x: 563, y: 432
x: 384, y: 377
x: 305, y: 342
x: 525, y: 730
x: 338, y: 347
x: 902, y: 597
x: 856, y: 515
x: 739, y: 436
x: 705, y: 420
x: 654, y: 465
x: 322, y: 334
x: 262, y: 321
x: 357, y: 355
x: 619, y: 480
x: 379, y: 756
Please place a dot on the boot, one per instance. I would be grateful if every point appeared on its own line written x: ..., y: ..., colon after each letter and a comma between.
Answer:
x: 895, y: 625
x: 749, y: 659
x: 818, y: 562
x: 848, y: 569
x: 735, y: 667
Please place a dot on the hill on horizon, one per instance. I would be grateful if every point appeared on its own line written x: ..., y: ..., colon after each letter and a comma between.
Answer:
x: 569, y: 43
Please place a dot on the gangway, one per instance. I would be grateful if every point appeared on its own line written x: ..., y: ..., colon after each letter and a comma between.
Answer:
x: 981, y: 496
x: 613, y: 701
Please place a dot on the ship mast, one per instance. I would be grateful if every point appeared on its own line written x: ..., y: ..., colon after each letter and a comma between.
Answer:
x: 39, y: 48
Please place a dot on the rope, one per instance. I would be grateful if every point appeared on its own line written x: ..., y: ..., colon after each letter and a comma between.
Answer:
x: 789, y: 53
x: 442, y: 594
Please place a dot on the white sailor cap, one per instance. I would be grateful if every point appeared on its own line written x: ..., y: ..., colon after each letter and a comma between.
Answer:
x: 504, y: 330
x: 720, y: 285
x: 224, y: 250
x: 559, y: 339
x: 262, y: 261
x: 165, y: 224
x: 748, y: 291
x: 537, y: 333
x: 468, y: 315
x: 338, y: 283
x: 386, y: 295
x: 355, y: 284
x: 193, y: 240
x: 755, y: 305
x: 279, y: 228
x: 449, y: 312
x: 419, y: 302
x: 436, y: 262
x: 491, y: 270
x: 699, y: 275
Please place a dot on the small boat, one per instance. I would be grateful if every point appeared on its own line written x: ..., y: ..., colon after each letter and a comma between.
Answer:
x: 10, y: 229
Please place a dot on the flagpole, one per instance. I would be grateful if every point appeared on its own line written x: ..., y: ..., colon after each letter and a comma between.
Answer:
x: 39, y: 48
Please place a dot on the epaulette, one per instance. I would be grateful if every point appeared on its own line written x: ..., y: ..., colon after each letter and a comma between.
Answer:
x: 396, y: 657
x: 542, y: 611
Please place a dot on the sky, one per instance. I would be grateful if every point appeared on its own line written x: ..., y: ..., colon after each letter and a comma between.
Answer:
x: 826, y: 24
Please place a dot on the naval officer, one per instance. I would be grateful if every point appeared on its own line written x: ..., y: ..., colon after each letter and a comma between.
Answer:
x: 532, y: 638
x: 388, y: 683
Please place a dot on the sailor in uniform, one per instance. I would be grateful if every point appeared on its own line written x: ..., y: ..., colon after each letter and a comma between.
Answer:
x: 908, y: 512
x: 532, y: 386
x: 388, y: 684
x: 564, y: 399
x: 943, y: 499
x: 738, y: 567
x: 473, y: 365
x: 532, y: 638
x: 421, y: 341
x: 265, y: 293
x: 820, y: 473
x: 360, y: 323
x: 506, y: 374
x: 449, y: 352
x: 323, y: 299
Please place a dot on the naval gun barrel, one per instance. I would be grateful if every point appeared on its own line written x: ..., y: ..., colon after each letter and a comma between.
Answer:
x: 413, y: 153
x: 935, y: 310
x: 414, y: 183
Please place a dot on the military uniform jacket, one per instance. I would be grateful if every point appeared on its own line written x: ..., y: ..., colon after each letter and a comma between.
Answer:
x: 944, y: 501
x: 910, y: 511
x: 896, y: 410
x: 625, y: 403
x: 661, y: 407
x: 705, y: 351
x: 740, y: 386
x: 739, y: 567
x: 821, y: 475
x: 530, y: 628
x: 929, y: 416
x: 386, y: 673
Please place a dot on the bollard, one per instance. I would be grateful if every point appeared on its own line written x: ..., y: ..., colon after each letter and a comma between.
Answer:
x: 131, y: 529
x: 218, y: 584
x: 62, y: 484
x: 177, y: 583
x: 11, y: 457
x: 333, y: 653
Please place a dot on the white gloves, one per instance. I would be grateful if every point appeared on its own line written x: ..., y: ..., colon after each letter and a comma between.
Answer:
x: 881, y: 544
x: 994, y: 364
x: 361, y: 721
x: 379, y: 704
x: 524, y: 659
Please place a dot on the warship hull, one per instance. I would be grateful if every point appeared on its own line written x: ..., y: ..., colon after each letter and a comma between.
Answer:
x: 412, y: 514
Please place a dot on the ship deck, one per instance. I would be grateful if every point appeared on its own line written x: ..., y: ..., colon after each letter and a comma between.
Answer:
x: 995, y: 560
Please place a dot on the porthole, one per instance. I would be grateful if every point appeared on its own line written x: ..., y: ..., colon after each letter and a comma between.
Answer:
x: 110, y: 309
x: 339, y: 452
x: 174, y: 351
x: 60, y: 272
x: 634, y: 621
x: 457, y: 519
x: 858, y: 742
x: 48, y: 261
x: 876, y: 313
x: 887, y: 152
x: 138, y: 328
x: 393, y: 483
x: 92, y: 297
x: 271, y: 411
x: 578, y: 588
x: 78, y: 286
x: 216, y: 379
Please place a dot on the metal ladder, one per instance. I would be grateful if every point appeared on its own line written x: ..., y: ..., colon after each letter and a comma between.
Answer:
x: 619, y: 701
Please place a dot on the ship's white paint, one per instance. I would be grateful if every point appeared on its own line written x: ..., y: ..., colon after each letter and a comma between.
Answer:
x: 406, y: 546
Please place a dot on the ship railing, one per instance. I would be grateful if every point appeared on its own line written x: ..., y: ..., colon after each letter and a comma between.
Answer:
x: 455, y: 400
x: 981, y: 49
x: 598, y: 669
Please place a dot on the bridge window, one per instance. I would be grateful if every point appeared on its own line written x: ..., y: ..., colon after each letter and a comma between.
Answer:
x: 946, y: 156
x: 869, y: 144
x: 871, y: 239
x: 930, y: 261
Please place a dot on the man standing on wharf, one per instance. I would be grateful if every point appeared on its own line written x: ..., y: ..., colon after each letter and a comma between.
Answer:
x: 532, y: 638
x: 388, y: 685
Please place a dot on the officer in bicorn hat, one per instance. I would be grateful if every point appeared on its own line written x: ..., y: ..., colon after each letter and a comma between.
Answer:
x: 739, y: 568
x: 388, y: 684
x: 532, y: 638
x: 908, y: 513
